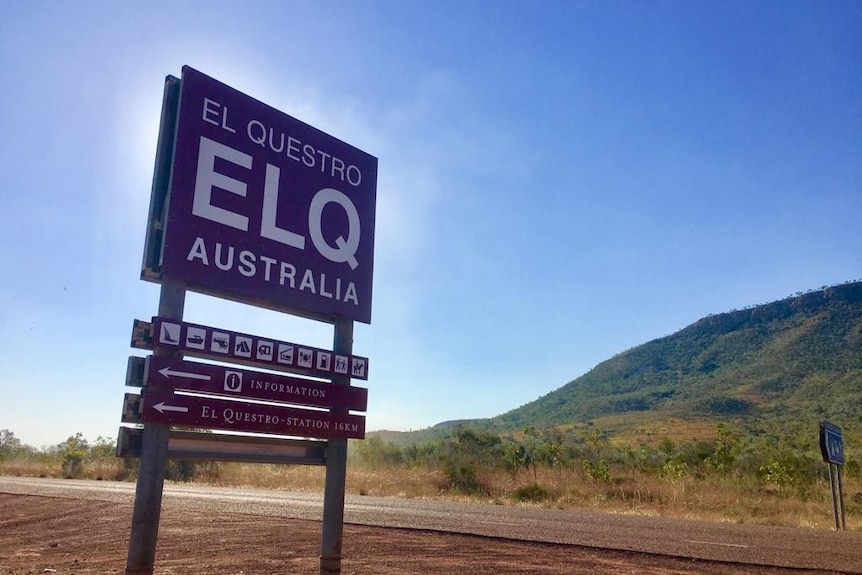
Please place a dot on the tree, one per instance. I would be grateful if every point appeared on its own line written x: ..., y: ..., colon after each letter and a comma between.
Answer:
x: 513, y: 457
x: 74, y: 450
x: 103, y: 447
x: 531, y: 448
x: 9, y: 444
x: 727, y: 446
x: 103, y: 460
x: 551, y: 450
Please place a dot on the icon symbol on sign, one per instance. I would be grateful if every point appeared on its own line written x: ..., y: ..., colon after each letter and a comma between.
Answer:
x: 233, y: 381
x: 305, y: 357
x: 220, y: 342
x: 170, y: 333
x: 242, y: 346
x: 195, y: 337
x: 285, y: 354
x: 264, y: 350
x: 340, y: 364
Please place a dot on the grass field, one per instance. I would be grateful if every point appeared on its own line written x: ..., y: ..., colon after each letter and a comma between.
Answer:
x: 630, y: 491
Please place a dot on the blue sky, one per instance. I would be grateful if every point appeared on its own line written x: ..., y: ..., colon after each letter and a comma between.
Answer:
x: 558, y: 181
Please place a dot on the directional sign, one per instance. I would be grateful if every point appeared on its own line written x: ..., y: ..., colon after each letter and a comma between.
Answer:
x: 266, y: 209
x: 225, y: 345
x: 242, y: 383
x: 831, y: 443
x: 160, y: 406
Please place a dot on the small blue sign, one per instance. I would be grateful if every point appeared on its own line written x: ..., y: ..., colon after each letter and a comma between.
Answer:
x: 831, y: 443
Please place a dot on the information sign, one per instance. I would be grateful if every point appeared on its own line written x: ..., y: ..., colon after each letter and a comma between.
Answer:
x: 266, y: 209
x: 242, y: 383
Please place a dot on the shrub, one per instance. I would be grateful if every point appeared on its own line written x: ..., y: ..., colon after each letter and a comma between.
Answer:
x: 185, y: 471
x: 375, y: 452
x: 727, y: 446
x: 598, y: 472
x: 533, y: 492
x: 464, y: 459
x: 463, y: 477
x: 673, y: 470
x: 777, y: 473
x: 128, y: 469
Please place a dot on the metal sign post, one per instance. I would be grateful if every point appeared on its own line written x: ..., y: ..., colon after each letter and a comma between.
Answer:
x: 154, y: 446
x: 336, y: 471
x: 841, y: 497
x: 154, y: 456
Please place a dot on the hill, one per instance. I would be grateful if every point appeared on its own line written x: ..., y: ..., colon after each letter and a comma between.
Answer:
x: 781, y: 367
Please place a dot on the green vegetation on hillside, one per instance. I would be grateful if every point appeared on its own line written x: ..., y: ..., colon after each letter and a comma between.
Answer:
x: 777, y: 368
x: 787, y: 364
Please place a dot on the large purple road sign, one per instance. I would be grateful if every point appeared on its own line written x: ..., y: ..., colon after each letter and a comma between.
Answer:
x: 266, y: 209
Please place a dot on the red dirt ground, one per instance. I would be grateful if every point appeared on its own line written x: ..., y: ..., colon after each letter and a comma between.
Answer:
x: 76, y: 537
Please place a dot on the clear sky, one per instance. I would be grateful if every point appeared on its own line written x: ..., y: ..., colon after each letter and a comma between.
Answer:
x: 559, y: 181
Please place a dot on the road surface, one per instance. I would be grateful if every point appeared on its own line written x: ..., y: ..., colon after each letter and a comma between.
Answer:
x: 726, y: 542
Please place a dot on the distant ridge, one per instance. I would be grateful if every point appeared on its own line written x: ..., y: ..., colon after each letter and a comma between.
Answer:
x: 781, y: 366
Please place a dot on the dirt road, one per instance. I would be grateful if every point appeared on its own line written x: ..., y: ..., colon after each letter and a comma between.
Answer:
x: 71, y: 534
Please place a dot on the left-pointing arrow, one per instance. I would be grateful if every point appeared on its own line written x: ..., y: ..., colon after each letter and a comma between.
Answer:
x: 168, y: 372
x: 162, y: 407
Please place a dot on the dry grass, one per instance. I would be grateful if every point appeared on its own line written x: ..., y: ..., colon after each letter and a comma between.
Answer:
x: 393, y: 481
x: 268, y: 476
x: 30, y: 468
x: 691, y: 498
x: 108, y: 469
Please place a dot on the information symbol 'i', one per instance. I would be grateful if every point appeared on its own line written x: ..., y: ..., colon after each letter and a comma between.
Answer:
x: 233, y: 381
